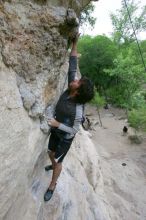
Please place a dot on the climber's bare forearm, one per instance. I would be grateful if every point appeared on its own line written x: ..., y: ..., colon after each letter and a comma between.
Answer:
x: 74, y: 49
x: 74, y: 45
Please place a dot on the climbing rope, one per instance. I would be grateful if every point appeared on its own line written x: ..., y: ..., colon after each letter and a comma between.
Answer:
x: 135, y: 35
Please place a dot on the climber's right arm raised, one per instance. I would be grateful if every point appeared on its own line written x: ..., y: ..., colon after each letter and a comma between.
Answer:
x: 72, y: 71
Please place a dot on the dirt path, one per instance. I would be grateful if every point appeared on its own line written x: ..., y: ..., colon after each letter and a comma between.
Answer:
x: 123, y: 165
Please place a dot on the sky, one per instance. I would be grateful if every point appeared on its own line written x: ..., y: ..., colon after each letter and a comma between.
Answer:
x: 103, y: 25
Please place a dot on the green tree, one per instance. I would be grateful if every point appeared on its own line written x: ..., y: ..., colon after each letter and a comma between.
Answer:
x: 128, y: 78
x: 97, y: 54
x: 137, y: 118
x: 123, y: 32
x: 86, y: 17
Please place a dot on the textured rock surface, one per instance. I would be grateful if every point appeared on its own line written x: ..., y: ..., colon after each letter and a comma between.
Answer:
x: 34, y: 38
x: 34, y: 41
x: 79, y: 193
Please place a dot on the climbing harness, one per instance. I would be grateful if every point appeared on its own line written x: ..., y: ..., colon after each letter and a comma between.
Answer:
x: 140, y: 52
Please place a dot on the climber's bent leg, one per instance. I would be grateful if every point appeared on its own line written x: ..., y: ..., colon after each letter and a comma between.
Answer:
x: 51, y: 156
x: 53, y: 142
x: 56, y: 173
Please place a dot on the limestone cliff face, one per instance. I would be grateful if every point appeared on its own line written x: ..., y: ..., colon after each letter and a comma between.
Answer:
x: 33, y: 50
x: 34, y: 41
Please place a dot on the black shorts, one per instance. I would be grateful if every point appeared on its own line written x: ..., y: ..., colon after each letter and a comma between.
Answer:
x: 59, y: 145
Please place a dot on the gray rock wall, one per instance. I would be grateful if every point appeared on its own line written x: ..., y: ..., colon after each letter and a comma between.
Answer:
x: 34, y: 41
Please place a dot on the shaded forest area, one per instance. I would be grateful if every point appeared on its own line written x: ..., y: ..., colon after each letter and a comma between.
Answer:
x: 117, y: 64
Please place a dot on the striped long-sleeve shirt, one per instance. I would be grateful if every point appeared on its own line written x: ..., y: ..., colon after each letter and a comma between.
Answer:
x: 67, y: 112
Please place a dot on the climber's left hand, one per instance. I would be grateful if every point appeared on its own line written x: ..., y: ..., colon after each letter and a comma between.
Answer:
x: 53, y: 123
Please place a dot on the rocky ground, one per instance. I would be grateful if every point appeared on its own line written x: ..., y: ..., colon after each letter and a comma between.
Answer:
x: 122, y: 163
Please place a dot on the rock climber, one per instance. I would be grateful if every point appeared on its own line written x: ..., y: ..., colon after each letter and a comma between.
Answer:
x: 67, y: 119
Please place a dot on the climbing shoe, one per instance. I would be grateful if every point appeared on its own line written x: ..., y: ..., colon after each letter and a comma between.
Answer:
x: 48, y: 167
x: 49, y: 193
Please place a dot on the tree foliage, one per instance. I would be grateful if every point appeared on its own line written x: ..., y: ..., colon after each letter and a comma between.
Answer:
x: 128, y: 78
x: 98, y: 100
x: 96, y: 54
x: 86, y: 17
x: 137, y: 118
x: 123, y: 32
x: 115, y: 64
